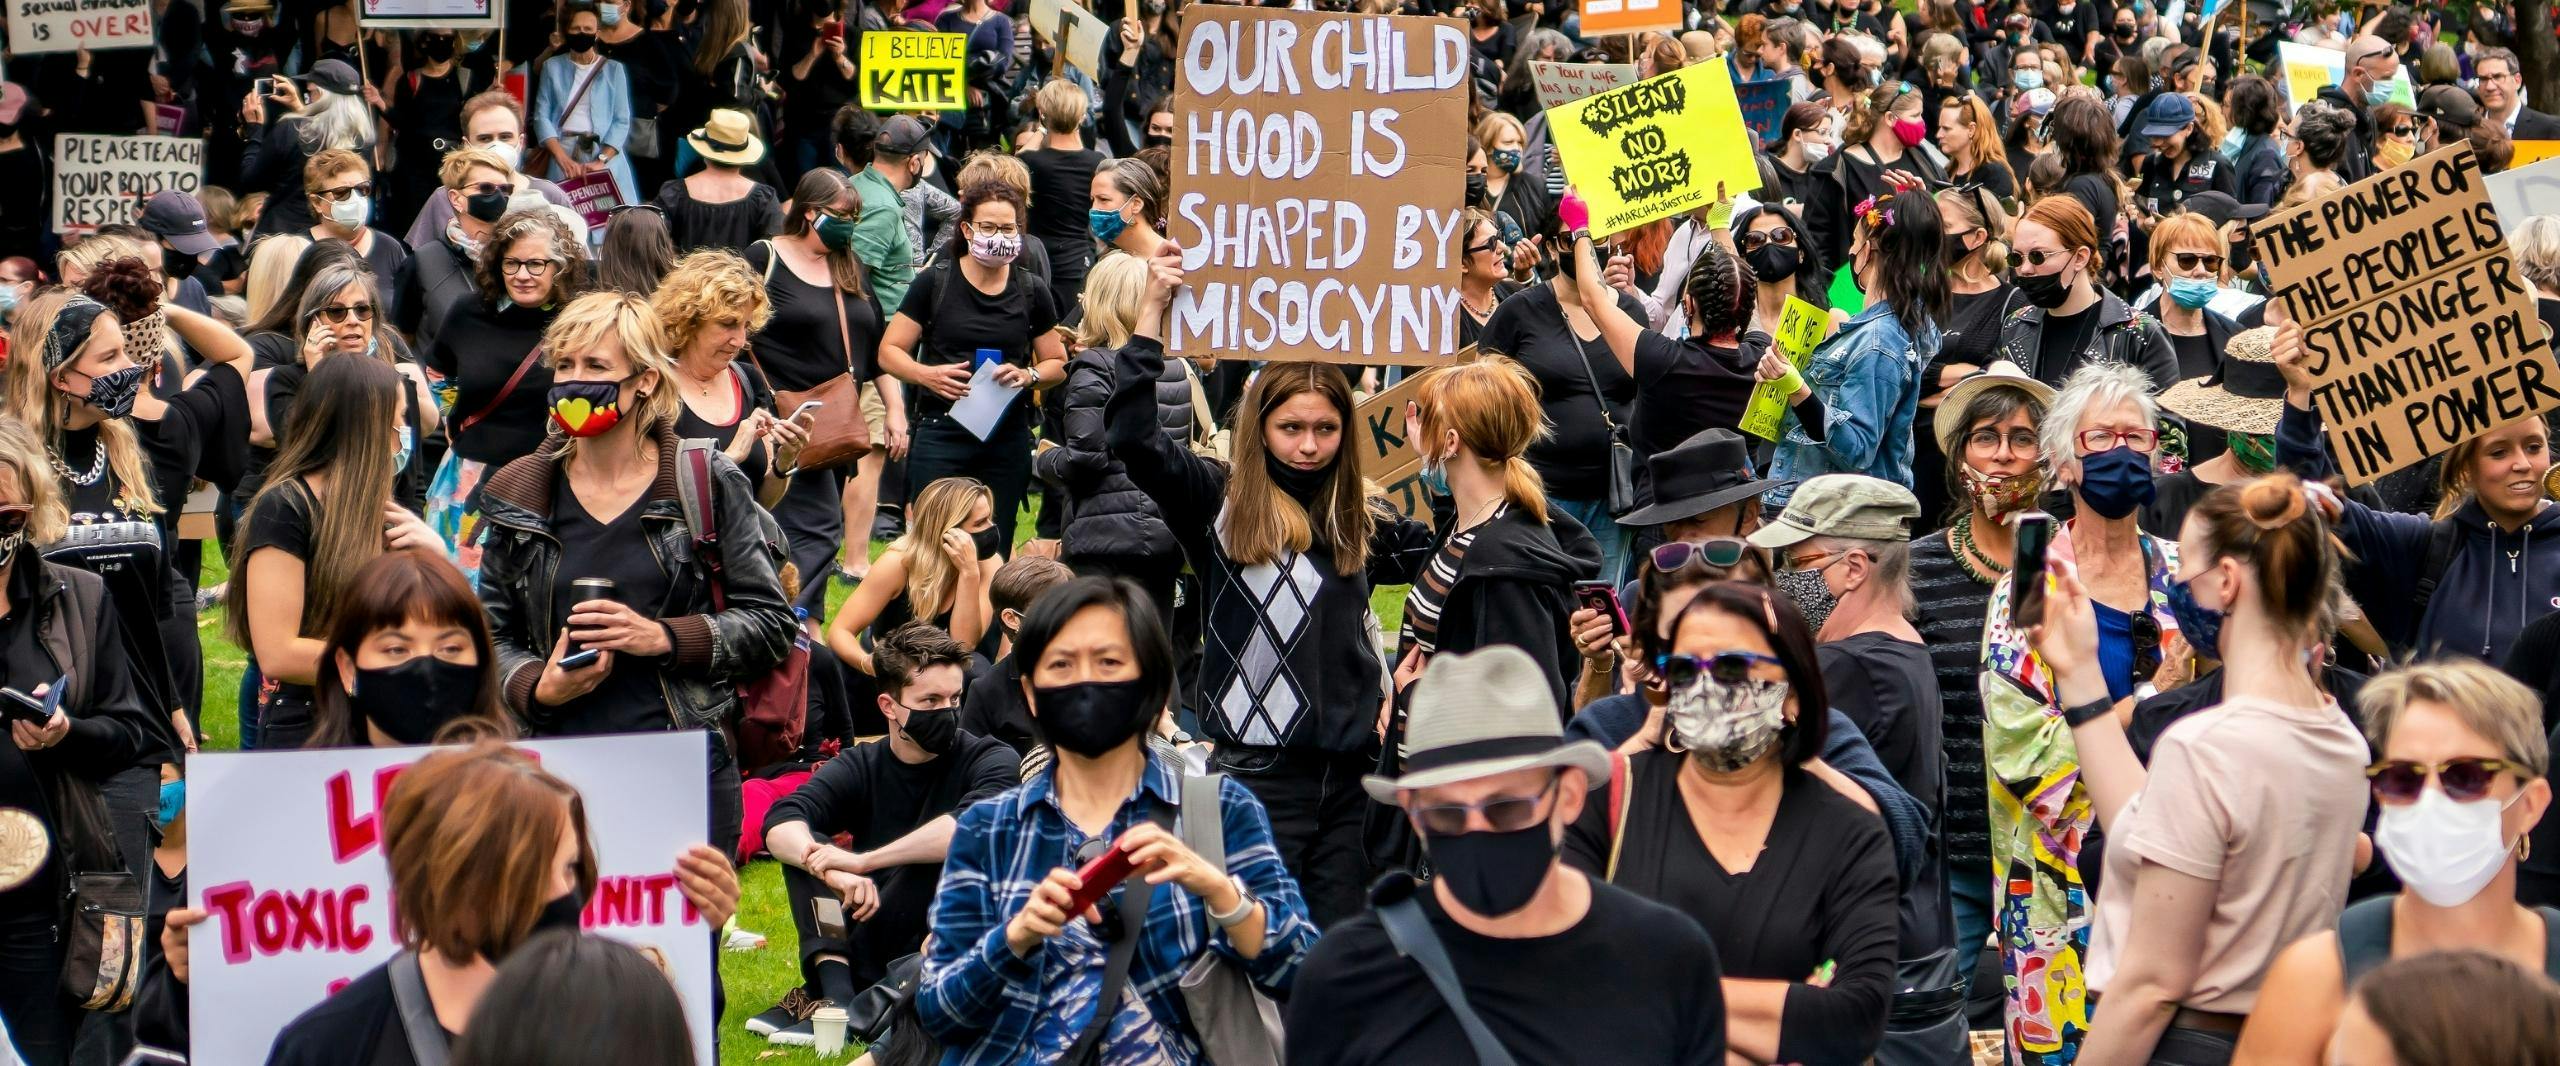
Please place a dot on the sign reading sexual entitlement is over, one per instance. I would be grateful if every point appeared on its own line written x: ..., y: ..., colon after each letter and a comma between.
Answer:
x: 2415, y: 320
x: 1318, y: 179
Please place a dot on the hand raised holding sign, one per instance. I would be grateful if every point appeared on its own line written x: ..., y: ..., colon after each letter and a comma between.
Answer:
x: 2287, y: 352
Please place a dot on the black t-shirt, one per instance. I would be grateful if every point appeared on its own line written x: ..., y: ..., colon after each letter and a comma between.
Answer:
x: 1972, y: 336
x: 282, y: 519
x: 1062, y: 199
x: 1887, y: 686
x: 358, y: 1025
x: 877, y: 797
x: 993, y: 707
x: 803, y: 345
x: 1823, y: 890
x: 2097, y: 192
x: 2196, y: 357
x: 478, y: 351
x: 29, y: 175
x: 1471, y: 331
x: 730, y: 225
x: 751, y: 392
x: 1686, y: 386
x: 1531, y: 328
x: 1993, y: 175
x: 958, y: 319
x: 1634, y: 981
x: 629, y: 699
x: 2061, y: 343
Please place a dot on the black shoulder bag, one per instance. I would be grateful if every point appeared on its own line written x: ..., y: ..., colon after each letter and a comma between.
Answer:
x: 1622, y: 455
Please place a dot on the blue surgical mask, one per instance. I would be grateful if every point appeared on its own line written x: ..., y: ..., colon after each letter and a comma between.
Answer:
x: 1106, y: 225
x: 2377, y: 94
x: 2193, y: 293
x: 2201, y: 625
x: 609, y: 14
x: 2116, y: 482
x: 408, y: 447
x: 2233, y: 143
x: 173, y: 801
x: 2027, y: 80
x: 8, y: 298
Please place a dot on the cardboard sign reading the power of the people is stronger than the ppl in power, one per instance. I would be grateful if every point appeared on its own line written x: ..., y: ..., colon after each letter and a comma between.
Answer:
x: 1318, y: 174
x: 2416, y: 322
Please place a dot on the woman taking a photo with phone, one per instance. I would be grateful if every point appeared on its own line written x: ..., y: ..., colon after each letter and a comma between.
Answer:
x: 709, y: 304
x: 587, y: 542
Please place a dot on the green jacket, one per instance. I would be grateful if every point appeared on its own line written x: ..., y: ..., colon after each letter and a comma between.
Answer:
x: 880, y: 239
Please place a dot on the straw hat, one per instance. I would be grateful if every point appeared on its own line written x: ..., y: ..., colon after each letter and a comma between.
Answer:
x: 1484, y: 713
x: 2245, y: 396
x: 1948, y: 421
x: 729, y: 138
x: 23, y: 847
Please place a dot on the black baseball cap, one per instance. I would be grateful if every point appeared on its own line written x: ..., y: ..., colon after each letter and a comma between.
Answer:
x: 178, y: 218
x: 902, y: 136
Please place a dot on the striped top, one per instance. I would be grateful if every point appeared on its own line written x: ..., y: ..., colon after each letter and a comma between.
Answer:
x: 1423, y: 602
x: 1951, y: 606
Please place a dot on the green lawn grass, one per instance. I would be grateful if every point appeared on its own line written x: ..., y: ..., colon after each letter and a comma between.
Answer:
x: 754, y: 979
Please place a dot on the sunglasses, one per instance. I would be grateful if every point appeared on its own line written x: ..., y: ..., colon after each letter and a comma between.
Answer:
x: 1723, y: 553
x: 2039, y: 257
x: 339, y: 195
x: 354, y: 312
x: 2464, y: 780
x: 2404, y: 131
x: 2190, y: 260
x: 650, y: 208
x: 486, y: 188
x: 1724, y: 667
x: 1752, y: 242
x: 1502, y: 814
x: 2146, y: 643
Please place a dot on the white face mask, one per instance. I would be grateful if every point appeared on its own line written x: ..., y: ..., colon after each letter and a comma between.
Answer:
x: 352, y: 211
x: 2444, y: 851
x: 1816, y: 151
x: 508, y: 152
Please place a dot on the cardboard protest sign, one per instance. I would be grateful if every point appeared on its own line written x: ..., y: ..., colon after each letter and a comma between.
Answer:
x: 100, y: 180
x: 907, y: 71
x: 37, y: 26
x: 1601, y: 18
x: 432, y: 14
x: 1564, y: 83
x: 2309, y: 69
x: 593, y: 197
x: 1801, y: 327
x: 1386, y: 450
x: 1764, y: 106
x: 1318, y: 175
x: 1086, y: 35
x: 2415, y: 320
x: 1044, y: 18
x: 1656, y: 148
x: 2524, y: 192
x: 2527, y: 153
x: 285, y: 855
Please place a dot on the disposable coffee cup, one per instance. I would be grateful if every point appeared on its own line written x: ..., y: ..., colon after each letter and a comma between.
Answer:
x: 829, y: 1023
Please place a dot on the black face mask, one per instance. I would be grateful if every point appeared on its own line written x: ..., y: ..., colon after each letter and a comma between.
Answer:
x: 561, y: 913
x: 934, y: 731
x: 409, y: 702
x: 1476, y: 192
x: 990, y: 541
x: 177, y: 264
x: 436, y: 49
x: 2044, y: 290
x: 1568, y: 264
x: 1953, y: 248
x: 578, y: 42
x: 1090, y: 718
x: 1159, y: 140
x: 1493, y: 874
x: 1773, y: 262
x: 2240, y: 255
x: 486, y: 206
x: 1301, y: 485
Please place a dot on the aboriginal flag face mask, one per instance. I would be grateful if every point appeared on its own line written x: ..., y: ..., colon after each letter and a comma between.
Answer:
x: 587, y: 408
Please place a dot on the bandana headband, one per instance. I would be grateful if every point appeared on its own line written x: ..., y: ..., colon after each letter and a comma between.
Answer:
x: 70, y: 330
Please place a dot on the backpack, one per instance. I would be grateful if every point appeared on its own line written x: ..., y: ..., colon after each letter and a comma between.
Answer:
x: 773, y: 710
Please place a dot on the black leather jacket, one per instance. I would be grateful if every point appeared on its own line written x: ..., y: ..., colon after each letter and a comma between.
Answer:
x: 2124, y: 335
x: 714, y: 650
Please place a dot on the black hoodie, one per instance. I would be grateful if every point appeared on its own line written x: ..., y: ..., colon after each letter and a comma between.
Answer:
x: 1515, y: 586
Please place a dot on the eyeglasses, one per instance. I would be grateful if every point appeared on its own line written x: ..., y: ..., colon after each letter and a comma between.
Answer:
x: 486, y: 188
x: 2037, y: 257
x: 347, y: 312
x: 1723, y: 553
x: 1502, y: 814
x: 528, y: 267
x: 994, y: 231
x: 1754, y: 241
x: 1816, y: 561
x: 1724, y: 667
x: 2093, y: 441
x: 2463, y: 780
x: 2018, y: 440
x: 2190, y: 260
x: 339, y: 195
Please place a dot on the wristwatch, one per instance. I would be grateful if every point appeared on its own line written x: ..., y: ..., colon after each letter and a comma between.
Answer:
x: 1244, y: 906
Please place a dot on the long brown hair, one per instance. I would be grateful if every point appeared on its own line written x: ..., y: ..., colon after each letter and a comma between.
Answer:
x: 817, y: 190
x: 470, y: 836
x: 1261, y: 523
x: 724, y: 28
x: 342, y: 428
x: 394, y: 589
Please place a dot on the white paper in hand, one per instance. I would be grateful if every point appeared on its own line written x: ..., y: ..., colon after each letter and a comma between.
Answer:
x: 986, y: 403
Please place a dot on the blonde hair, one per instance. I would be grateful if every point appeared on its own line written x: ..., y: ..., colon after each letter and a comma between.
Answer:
x: 97, y: 248
x: 1977, y: 208
x: 1492, y: 125
x: 2536, y: 244
x: 1492, y: 404
x: 1115, y: 293
x: 460, y: 162
x: 2185, y: 231
x: 27, y: 385
x: 941, y: 507
x: 996, y: 167
x: 706, y: 288
x: 48, y: 517
x: 221, y: 209
x: 1061, y: 105
x: 271, y: 263
x: 2499, y: 708
x: 328, y: 163
x: 2210, y: 124
x: 628, y: 319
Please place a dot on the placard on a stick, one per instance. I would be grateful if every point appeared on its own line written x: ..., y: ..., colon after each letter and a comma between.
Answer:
x: 1317, y: 185
x: 1604, y: 18
x: 2416, y: 322
x: 100, y: 180
x: 432, y: 14
x: 1564, y: 83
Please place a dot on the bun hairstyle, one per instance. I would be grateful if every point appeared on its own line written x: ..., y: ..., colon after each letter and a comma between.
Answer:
x: 1723, y: 291
x: 1846, y: 64
x: 1492, y: 404
x: 2276, y: 526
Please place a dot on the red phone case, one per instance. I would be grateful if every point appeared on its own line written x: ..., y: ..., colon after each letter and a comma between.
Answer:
x: 1099, y: 876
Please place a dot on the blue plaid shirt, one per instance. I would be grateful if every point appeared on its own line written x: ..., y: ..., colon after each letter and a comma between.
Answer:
x: 987, y: 1004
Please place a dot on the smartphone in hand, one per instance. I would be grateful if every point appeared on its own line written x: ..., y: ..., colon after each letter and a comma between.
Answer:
x: 1106, y: 871
x: 2026, y: 571
x: 1602, y: 596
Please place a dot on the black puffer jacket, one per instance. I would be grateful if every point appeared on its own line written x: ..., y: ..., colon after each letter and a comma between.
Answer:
x: 1107, y: 514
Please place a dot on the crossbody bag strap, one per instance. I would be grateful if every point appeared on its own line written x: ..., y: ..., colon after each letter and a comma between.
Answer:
x: 1136, y: 896
x: 1593, y: 376
x: 1410, y: 931
x: 504, y: 391
x: 1203, y: 822
x: 580, y: 93
x: 417, y: 1012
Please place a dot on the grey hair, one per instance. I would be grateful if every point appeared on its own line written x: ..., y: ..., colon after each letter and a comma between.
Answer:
x: 1893, y: 566
x: 2095, y: 387
x: 2536, y: 243
x: 327, y: 283
x: 334, y: 120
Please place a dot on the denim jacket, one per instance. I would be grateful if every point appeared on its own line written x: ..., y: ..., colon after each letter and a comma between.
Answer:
x: 713, y: 651
x: 1867, y: 377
